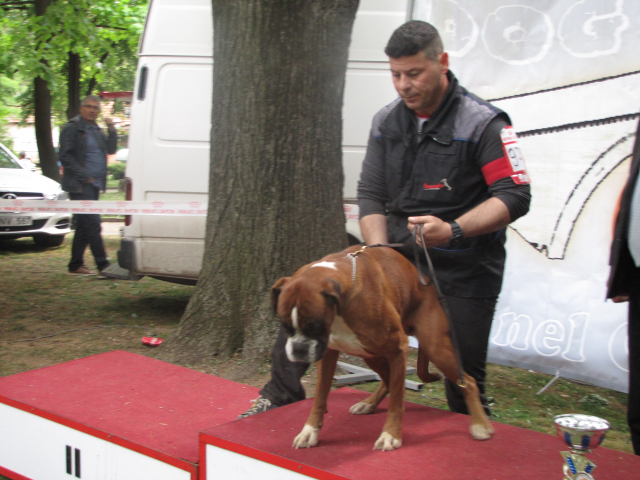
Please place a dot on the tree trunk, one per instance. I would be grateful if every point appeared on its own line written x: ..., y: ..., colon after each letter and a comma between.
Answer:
x: 73, y: 85
x: 42, y: 103
x: 93, y: 82
x: 275, y: 186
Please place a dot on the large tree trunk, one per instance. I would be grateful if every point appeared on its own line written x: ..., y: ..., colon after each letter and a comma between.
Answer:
x: 42, y: 102
x: 275, y: 197
x: 73, y: 85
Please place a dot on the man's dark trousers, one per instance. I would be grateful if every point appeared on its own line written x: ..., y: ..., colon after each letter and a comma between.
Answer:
x: 88, y: 232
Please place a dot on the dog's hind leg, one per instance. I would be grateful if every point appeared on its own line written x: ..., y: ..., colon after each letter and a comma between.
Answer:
x: 445, y: 360
x: 423, y: 368
x: 433, y: 337
x: 380, y: 365
x: 326, y: 367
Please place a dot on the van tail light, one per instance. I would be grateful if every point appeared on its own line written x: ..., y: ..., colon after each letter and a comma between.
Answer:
x: 127, y: 197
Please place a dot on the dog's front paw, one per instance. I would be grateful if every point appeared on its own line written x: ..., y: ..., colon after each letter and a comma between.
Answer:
x: 386, y: 442
x: 481, y: 432
x: 308, y: 437
x: 362, y: 408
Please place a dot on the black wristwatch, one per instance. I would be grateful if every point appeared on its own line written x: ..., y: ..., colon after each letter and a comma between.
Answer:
x: 457, y: 235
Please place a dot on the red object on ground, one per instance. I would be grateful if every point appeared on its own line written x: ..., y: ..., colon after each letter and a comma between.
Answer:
x: 149, y: 406
x: 436, y: 445
x: 152, y: 341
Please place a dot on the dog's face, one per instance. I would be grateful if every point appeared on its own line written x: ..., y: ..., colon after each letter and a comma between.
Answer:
x: 307, y: 309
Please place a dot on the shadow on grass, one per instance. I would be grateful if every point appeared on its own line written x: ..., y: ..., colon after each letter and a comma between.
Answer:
x: 163, y: 310
x: 22, y: 246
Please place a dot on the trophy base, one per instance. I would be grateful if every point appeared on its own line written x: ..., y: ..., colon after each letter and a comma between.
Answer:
x: 577, y: 466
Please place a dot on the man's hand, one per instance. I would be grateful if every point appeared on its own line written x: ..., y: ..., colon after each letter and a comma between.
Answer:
x: 620, y: 299
x: 434, y: 231
x: 109, y: 123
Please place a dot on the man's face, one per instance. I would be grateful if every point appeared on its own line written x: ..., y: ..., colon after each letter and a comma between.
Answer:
x: 421, y: 83
x: 90, y: 110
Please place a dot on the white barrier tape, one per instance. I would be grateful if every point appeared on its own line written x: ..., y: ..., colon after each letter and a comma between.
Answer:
x: 121, y: 207
x: 103, y: 207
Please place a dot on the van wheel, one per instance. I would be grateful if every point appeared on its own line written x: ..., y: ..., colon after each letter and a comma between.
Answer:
x: 48, y: 240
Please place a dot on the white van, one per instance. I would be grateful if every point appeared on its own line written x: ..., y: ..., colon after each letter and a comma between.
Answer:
x: 170, y: 126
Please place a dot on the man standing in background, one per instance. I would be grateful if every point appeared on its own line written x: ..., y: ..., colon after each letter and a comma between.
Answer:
x: 83, y: 153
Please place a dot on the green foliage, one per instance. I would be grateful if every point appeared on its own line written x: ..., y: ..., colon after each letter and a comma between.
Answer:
x: 8, y: 91
x: 103, y: 33
x: 116, y: 170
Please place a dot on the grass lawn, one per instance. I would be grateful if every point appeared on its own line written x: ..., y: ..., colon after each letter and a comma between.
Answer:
x: 39, y: 299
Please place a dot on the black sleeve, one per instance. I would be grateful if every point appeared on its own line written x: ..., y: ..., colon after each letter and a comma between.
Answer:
x: 372, y: 187
x: 112, y: 141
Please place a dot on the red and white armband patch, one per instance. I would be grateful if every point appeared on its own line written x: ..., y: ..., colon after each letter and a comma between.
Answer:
x: 514, y: 156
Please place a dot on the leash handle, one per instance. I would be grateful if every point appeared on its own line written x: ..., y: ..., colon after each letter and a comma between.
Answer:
x: 443, y: 301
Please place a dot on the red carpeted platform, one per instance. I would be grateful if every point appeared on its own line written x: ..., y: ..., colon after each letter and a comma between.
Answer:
x: 149, y: 407
x: 436, y: 445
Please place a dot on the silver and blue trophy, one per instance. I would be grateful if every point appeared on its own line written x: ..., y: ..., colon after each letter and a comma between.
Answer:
x: 581, y: 433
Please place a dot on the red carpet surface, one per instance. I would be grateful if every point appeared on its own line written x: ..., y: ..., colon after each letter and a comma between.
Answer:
x: 118, y: 394
x: 436, y: 445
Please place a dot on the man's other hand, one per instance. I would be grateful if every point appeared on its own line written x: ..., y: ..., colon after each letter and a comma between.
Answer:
x: 620, y: 298
x: 434, y: 231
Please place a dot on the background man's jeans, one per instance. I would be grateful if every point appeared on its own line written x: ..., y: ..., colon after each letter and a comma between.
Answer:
x: 88, y: 230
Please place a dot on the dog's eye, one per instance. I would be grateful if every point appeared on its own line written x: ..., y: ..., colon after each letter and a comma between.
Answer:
x: 289, y: 329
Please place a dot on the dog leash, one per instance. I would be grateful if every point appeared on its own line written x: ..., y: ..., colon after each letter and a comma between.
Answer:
x: 443, y: 301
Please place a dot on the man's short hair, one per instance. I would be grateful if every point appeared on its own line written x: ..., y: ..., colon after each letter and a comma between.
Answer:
x: 413, y: 37
x: 91, y: 98
x: 22, y: 154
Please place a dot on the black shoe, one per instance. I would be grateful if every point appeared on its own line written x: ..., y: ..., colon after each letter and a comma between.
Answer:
x: 104, y: 266
x: 260, y: 404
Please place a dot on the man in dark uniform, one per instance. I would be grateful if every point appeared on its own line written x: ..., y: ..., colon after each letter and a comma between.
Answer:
x: 624, y: 283
x: 441, y: 157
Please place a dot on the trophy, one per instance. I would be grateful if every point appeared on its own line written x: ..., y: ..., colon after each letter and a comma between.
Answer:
x: 581, y: 433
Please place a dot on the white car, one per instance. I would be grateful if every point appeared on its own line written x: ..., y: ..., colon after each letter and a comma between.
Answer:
x: 17, y: 182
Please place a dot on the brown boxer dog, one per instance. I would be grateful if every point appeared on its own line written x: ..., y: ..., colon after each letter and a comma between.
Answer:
x: 366, y: 303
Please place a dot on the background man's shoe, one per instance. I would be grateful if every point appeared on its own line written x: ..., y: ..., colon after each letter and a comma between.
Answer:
x: 81, y: 271
x: 260, y: 405
x: 104, y: 267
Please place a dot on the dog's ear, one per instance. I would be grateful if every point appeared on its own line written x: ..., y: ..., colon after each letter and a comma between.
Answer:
x: 275, y: 292
x: 332, y: 296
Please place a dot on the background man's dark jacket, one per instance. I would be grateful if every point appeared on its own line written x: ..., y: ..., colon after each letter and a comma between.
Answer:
x: 622, y: 265
x: 73, y: 152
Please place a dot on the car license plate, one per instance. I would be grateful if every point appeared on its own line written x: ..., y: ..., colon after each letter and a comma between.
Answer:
x: 15, y: 221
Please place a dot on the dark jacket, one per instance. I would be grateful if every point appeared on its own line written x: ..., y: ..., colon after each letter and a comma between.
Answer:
x: 73, y: 150
x: 622, y: 265
x: 439, y: 172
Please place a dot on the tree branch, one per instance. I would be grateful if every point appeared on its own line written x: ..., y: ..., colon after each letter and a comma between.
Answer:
x: 17, y: 5
x: 113, y: 28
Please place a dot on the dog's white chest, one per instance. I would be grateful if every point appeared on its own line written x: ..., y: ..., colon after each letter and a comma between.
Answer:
x: 344, y: 339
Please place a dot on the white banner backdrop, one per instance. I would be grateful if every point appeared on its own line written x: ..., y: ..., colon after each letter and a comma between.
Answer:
x: 568, y: 74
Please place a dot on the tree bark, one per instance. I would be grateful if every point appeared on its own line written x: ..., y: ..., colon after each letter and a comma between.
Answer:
x: 275, y: 196
x: 73, y: 85
x: 42, y: 104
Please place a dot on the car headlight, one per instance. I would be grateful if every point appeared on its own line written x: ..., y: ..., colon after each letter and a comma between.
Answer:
x: 59, y: 195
